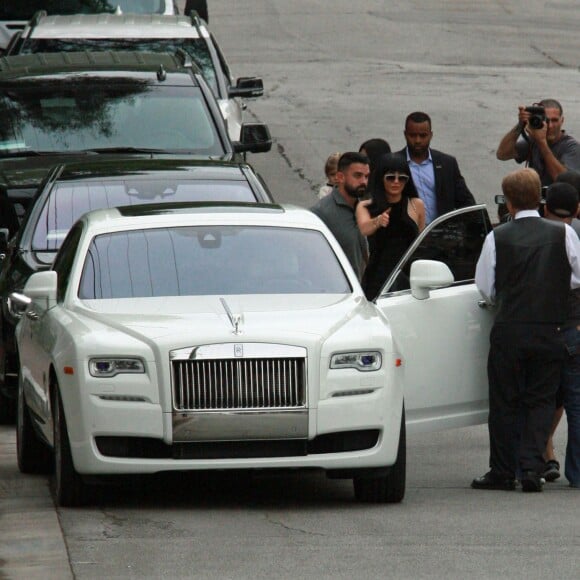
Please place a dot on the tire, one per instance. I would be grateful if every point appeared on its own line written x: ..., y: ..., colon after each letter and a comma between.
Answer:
x: 386, y: 488
x: 33, y: 455
x: 200, y: 6
x: 69, y: 488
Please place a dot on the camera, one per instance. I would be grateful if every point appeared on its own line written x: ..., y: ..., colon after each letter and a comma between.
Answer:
x: 537, y: 116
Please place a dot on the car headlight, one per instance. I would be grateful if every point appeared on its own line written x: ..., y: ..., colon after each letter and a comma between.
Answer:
x: 370, y: 360
x: 109, y: 367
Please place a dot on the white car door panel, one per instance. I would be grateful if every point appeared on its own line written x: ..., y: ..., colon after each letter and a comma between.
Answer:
x: 443, y: 342
x: 36, y: 364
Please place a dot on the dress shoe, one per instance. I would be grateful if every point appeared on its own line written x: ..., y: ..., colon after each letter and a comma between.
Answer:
x: 532, y: 481
x: 551, y: 470
x: 493, y: 481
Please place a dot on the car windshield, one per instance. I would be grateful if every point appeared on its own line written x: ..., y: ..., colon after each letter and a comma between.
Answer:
x: 69, y: 201
x: 25, y: 9
x: 210, y: 260
x: 87, y: 113
x: 197, y: 48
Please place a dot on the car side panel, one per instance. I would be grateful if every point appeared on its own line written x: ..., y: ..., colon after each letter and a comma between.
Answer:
x: 444, y: 343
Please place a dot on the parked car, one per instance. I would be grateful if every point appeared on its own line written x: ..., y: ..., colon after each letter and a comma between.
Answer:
x: 238, y: 337
x: 57, y: 108
x: 149, y: 33
x: 14, y: 14
x: 75, y: 188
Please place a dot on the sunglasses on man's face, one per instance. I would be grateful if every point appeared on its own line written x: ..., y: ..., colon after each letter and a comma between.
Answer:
x: 394, y: 176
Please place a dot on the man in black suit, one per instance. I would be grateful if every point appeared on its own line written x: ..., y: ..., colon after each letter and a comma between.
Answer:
x: 436, y: 175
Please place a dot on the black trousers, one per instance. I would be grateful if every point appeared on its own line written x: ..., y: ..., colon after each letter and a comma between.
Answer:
x: 524, y: 367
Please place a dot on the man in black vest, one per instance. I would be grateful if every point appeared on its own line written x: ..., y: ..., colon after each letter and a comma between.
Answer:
x: 526, y: 268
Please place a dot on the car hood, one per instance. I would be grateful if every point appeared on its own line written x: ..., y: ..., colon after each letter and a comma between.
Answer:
x: 205, y: 319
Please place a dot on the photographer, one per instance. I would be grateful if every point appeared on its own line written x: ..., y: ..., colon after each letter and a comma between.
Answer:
x: 539, y: 140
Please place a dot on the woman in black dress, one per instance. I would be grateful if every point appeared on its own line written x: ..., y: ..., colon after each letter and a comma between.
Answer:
x: 391, y: 220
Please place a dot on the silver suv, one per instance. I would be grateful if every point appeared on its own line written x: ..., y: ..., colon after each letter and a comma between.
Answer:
x: 144, y: 33
x: 14, y: 14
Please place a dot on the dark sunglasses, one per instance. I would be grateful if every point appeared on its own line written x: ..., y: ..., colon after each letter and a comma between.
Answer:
x: 394, y: 176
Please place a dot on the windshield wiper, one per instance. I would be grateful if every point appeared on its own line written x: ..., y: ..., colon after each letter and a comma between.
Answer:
x: 23, y: 153
x: 134, y: 150
x: 34, y: 153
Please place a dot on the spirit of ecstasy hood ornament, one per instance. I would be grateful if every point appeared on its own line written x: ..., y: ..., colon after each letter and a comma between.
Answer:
x: 235, y: 319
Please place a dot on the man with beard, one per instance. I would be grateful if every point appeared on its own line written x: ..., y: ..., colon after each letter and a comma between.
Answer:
x: 547, y: 149
x: 336, y: 210
x: 435, y: 175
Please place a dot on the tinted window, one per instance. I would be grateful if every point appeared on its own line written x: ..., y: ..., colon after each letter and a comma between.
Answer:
x: 212, y: 260
x: 195, y: 47
x: 89, y: 113
x: 25, y: 9
x: 67, y: 202
x: 456, y: 241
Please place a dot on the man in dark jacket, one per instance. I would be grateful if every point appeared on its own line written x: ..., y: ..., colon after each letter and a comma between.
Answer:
x: 436, y: 175
x: 526, y: 268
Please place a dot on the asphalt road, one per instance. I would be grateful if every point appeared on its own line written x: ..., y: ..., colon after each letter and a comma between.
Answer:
x: 337, y: 73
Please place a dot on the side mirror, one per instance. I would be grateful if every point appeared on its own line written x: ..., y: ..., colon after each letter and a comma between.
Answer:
x: 41, y: 286
x: 255, y: 138
x: 428, y: 275
x: 247, y: 87
x: 17, y: 304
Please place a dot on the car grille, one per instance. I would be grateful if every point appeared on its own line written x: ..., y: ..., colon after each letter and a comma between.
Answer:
x: 274, y: 383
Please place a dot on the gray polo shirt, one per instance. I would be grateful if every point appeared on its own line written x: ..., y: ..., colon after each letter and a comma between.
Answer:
x: 566, y: 150
x: 340, y: 220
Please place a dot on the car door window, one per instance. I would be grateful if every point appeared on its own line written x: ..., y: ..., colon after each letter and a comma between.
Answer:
x: 455, y: 239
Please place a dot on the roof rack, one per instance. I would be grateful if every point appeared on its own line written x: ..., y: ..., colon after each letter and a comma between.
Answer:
x: 196, y: 21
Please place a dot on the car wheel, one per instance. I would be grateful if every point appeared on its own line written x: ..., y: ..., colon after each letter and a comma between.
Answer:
x: 386, y: 488
x: 69, y: 488
x: 33, y: 455
x: 200, y: 6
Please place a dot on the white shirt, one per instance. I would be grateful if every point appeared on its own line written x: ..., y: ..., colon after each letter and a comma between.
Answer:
x: 485, y: 269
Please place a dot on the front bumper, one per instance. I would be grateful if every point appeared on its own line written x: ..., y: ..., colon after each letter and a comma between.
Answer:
x: 351, y: 432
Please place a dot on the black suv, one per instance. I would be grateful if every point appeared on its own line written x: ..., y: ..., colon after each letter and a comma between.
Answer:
x: 144, y: 33
x: 73, y: 189
x: 58, y: 107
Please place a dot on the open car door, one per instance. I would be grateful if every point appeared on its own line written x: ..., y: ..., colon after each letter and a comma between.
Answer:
x: 440, y: 323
